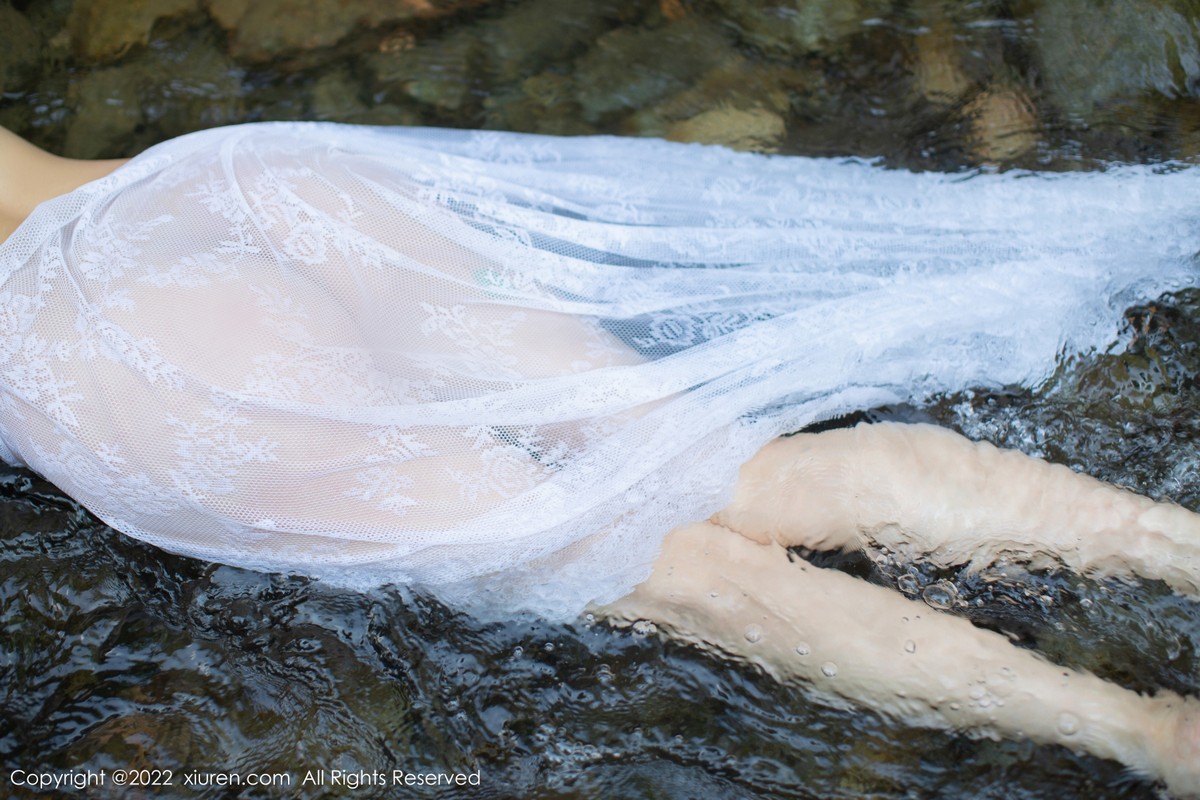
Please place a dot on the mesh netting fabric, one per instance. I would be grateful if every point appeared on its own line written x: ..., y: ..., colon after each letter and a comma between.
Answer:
x: 502, y: 366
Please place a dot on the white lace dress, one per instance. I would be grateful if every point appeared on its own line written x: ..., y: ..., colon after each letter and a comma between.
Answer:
x: 502, y: 366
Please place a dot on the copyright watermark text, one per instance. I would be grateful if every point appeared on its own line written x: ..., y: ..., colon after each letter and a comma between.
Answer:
x: 51, y: 781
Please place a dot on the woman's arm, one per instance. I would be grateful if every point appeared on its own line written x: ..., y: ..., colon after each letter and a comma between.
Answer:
x: 30, y: 176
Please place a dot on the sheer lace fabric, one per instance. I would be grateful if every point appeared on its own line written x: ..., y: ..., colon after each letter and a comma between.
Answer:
x: 502, y: 366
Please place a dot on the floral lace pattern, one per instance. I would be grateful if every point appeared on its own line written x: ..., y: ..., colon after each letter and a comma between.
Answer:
x: 502, y: 365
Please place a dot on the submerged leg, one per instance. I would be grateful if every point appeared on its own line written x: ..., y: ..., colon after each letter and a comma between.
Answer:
x: 930, y: 491
x: 871, y: 646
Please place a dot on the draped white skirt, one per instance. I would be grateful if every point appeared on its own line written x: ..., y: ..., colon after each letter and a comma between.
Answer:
x: 502, y: 366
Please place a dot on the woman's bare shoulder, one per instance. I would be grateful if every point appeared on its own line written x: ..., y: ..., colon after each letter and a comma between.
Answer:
x: 30, y: 176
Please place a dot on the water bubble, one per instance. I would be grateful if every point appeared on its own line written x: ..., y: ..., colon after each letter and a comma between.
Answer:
x: 548, y: 647
x: 1068, y: 724
x: 955, y: 706
x: 803, y: 649
x: 518, y: 652
x: 829, y: 669
x: 714, y: 594
x: 1085, y: 602
x: 940, y: 594
x: 644, y: 627
x: 753, y: 633
x: 977, y: 693
x: 910, y: 646
x: 1174, y: 647
x: 909, y: 584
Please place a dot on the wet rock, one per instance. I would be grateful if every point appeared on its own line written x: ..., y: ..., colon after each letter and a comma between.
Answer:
x: 1187, y: 131
x: 759, y: 90
x: 631, y: 68
x: 21, y: 52
x: 512, y: 68
x: 1004, y: 125
x: 1097, y: 53
x: 194, y: 85
x: 104, y: 30
x: 262, y: 30
x: 335, y: 97
x: 387, y: 114
x: 800, y: 26
x: 549, y: 89
x: 545, y: 103
x: 154, y: 95
x: 439, y: 72
x: 939, y: 73
x: 108, y: 110
x: 18, y: 117
x: 539, y: 32
x: 755, y: 129
x: 672, y: 9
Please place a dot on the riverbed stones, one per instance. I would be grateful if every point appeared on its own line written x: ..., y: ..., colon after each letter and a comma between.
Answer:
x: 630, y: 68
x: 440, y: 73
x: 1188, y: 130
x: 542, y: 103
x: 753, y: 129
x: 739, y: 104
x: 1003, y: 124
x: 538, y: 32
x: 20, y: 55
x: 800, y: 26
x: 940, y: 77
x: 335, y: 97
x: 264, y: 30
x: 104, y: 30
x: 1099, y: 53
x: 107, y: 112
x: 114, y: 105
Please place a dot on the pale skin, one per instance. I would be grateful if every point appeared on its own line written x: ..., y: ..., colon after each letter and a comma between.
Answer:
x: 728, y: 582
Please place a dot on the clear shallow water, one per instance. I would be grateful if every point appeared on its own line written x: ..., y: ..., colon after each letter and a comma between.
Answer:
x: 114, y: 655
